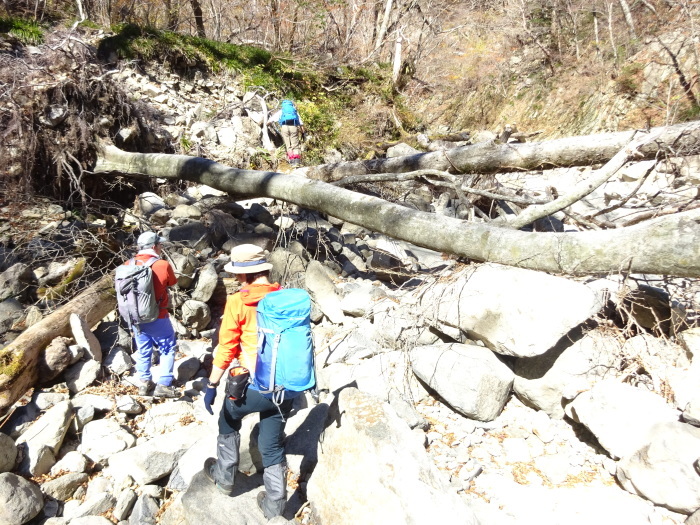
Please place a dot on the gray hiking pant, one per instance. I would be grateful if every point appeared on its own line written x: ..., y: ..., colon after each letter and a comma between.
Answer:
x: 227, y: 458
x: 275, y: 479
x: 290, y: 135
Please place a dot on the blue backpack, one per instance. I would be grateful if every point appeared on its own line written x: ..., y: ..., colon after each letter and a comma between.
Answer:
x: 285, y: 362
x: 289, y: 112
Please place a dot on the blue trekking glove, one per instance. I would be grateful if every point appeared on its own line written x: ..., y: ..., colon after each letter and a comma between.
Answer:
x: 209, y: 397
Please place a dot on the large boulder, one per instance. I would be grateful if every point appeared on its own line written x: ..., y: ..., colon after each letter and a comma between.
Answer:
x: 470, y: 378
x: 663, y: 471
x: 620, y: 416
x: 20, y: 500
x: 372, y: 465
x: 513, y: 311
x: 548, y: 381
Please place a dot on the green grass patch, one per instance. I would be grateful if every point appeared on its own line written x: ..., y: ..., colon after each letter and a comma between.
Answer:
x: 26, y: 31
x: 257, y: 66
x: 10, y: 362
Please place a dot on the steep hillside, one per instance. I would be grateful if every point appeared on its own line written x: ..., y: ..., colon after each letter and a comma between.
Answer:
x: 496, y: 67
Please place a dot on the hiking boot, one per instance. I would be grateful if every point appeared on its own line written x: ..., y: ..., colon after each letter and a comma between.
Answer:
x: 209, y: 474
x: 260, y: 498
x: 165, y: 391
x: 145, y: 387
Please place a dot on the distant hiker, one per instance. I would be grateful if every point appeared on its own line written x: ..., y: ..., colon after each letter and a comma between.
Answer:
x: 238, y: 339
x: 158, y: 333
x: 292, y: 130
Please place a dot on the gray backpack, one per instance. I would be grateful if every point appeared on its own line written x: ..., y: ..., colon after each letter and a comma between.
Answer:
x: 136, y: 298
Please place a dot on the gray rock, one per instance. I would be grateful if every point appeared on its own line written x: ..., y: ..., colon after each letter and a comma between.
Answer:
x: 351, y: 347
x: 359, y: 302
x: 376, y: 375
x: 85, y: 338
x: 83, y: 416
x: 110, y: 335
x: 406, y: 411
x: 125, y: 502
x: 469, y: 378
x: 323, y: 291
x: 45, y: 400
x: 104, y: 438
x: 150, y: 202
x: 90, y: 520
x: 63, y: 487
x: 184, y: 266
x: 128, y: 405
x: 401, y: 150
x: 185, y: 369
x: 37, y: 460
x: 186, y: 211
x: 363, y: 440
x: 92, y: 506
x: 207, y: 280
x: 513, y: 311
x: 56, y: 358
x: 81, y: 375
x: 8, y: 453
x: 155, y: 458
x: 20, y: 500
x: 11, y: 311
x: 14, y: 281
x: 118, y: 361
x: 620, y: 416
x: 49, y: 429
x: 574, y: 365
x: 73, y: 461
x: 691, y: 414
x: 663, y: 470
x: 194, y: 235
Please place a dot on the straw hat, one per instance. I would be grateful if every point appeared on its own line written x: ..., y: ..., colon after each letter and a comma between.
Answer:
x: 247, y: 258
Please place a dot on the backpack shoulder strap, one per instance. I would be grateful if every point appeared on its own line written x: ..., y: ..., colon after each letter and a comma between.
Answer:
x: 151, y: 261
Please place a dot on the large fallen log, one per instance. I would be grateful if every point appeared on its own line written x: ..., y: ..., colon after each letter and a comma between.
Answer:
x: 491, y: 157
x: 669, y: 245
x: 19, y: 361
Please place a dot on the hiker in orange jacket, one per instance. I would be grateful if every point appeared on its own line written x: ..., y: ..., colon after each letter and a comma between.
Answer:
x: 238, y: 339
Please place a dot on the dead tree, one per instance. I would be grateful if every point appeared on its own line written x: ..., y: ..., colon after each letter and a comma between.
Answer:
x: 668, y: 245
x: 489, y: 157
x: 20, y: 360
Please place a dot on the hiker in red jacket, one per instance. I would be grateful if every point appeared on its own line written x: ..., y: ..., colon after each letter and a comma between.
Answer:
x: 160, y: 333
x: 238, y: 339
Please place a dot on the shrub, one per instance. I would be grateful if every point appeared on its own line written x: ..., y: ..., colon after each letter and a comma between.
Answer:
x: 26, y: 31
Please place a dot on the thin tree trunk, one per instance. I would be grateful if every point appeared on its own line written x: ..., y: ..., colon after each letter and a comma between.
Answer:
x: 669, y: 246
x: 81, y: 11
x: 489, y: 157
x: 628, y: 17
x: 396, y: 74
x: 596, y: 31
x: 610, y: 31
x: 385, y: 23
x: 19, y: 361
x: 198, y: 18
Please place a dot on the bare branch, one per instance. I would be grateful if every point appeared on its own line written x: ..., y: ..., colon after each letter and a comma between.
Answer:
x: 588, y: 186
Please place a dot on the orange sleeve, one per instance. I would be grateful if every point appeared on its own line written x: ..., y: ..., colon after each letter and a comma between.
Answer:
x: 229, y: 347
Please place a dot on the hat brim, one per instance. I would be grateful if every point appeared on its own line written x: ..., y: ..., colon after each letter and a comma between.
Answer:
x: 230, y: 268
x: 159, y: 240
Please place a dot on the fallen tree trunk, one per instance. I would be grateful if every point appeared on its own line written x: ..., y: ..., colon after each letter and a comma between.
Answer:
x: 19, y: 361
x: 489, y: 157
x: 668, y: 245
